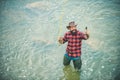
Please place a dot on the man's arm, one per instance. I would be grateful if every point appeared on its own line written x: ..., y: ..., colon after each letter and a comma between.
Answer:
x: 64, y: 39
x: 87, y: 36
x: 60, y: 40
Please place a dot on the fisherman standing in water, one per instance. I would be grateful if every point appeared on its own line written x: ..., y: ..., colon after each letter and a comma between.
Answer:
x: 73, y: 51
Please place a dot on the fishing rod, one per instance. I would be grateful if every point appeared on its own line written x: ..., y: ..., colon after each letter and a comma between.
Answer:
x: 86, y: 32
x: 86, y: 27
x: 61, y: 20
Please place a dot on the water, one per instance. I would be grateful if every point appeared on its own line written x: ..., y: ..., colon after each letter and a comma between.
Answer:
x: 28, y: 39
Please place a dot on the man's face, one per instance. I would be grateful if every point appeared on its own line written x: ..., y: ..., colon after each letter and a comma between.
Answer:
x: 72, y: 28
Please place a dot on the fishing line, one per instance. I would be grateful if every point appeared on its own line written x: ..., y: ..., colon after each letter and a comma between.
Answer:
x: 61, y: 19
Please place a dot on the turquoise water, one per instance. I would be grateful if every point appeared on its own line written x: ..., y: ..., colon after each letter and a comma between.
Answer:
x: 28, y: 39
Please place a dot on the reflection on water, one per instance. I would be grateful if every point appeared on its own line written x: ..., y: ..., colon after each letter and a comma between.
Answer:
x: 70, y: 73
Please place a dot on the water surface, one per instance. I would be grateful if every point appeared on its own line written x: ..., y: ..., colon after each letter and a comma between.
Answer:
x: 28, y: 39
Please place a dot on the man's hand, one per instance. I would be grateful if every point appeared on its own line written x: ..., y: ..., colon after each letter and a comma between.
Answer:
x: 60, y: 40
x: 86, y: 33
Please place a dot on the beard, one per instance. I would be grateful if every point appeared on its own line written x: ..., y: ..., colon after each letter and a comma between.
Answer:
x: 74, y: 32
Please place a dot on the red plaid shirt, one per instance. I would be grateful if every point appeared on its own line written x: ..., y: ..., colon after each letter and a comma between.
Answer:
x: 74, y: 43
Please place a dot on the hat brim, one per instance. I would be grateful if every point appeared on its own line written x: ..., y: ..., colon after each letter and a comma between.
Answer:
x: 70, y: 26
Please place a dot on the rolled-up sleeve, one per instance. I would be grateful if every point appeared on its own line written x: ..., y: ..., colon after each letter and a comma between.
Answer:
x: 65, y: 38
x: 84, y: 36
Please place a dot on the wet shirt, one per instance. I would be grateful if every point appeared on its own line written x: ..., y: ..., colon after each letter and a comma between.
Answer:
x: 74, y: 43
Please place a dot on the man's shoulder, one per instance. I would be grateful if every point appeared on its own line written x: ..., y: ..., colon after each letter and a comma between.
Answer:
x: 79, y: 32
x: 68, y: 32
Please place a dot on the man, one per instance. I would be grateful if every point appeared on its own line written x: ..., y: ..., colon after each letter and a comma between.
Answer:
x: 73, y: 50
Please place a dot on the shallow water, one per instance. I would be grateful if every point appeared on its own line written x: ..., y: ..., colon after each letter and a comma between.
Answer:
x: 28, y: 39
